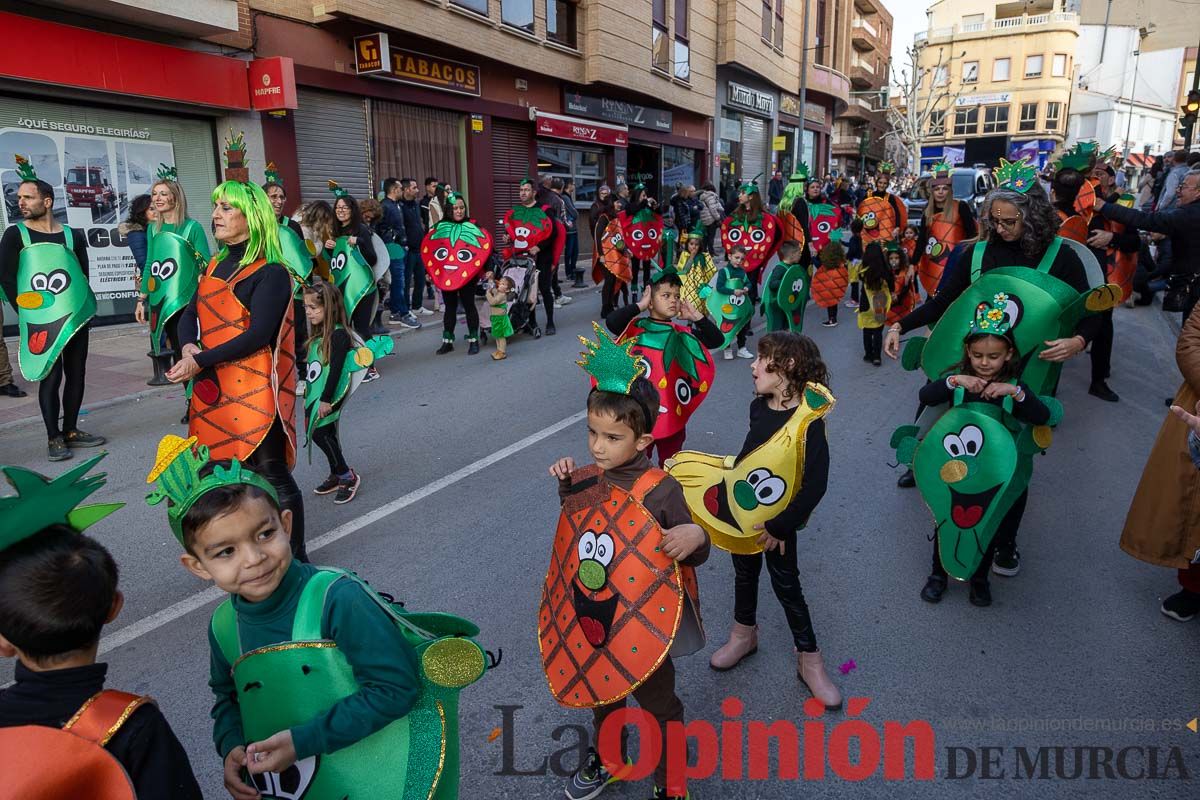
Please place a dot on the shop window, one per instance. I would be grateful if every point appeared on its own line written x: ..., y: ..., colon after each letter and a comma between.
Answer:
x: 517, y: 14
x: 995, y: 119
x: 1052, y: 115
x: 937, y: 122
x: 1028, y: 117
x: 682, y: 56
x: 1033, y: 66
x: 679, y: 168
x: 660, y: 52
x: 966, y: 121
x: 970, y: 72
x: 478, y: 6
x: 560, y: 22
x: 1058, y: 68
x: 1001, y: 68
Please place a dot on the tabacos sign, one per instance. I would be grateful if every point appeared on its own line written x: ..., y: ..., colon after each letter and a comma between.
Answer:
x: 374, y: 56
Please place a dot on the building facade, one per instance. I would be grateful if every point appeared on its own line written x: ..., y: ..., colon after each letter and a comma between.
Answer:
x: 858, y: 136
x: 1007, y: 68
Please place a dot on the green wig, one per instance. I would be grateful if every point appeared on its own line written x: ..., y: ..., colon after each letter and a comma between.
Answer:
x: 793, y: 191
x: 251, y: 200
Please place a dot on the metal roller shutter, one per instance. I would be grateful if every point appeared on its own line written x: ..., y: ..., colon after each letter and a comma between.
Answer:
x: 754, y: 150
x: 332, y: 144
x: 512, y: 143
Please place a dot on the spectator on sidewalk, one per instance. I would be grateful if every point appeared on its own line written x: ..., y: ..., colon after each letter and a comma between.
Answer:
x: 431, y: 187
x: 775, y: 190
x: 549, y: 195
x: 414, y: 232
x: 391, y: 230
x: 7, y: 387
x: 681, y: 213
x: 571, y: 252
x: 711, y: 214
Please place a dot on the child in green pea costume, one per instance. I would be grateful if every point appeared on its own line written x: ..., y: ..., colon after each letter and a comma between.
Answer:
x: 323, y: 690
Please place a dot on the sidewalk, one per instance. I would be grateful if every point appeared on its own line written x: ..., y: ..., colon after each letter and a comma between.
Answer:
x: 118, y: 368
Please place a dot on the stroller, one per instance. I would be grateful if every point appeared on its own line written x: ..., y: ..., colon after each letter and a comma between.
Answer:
x: 521, y: 313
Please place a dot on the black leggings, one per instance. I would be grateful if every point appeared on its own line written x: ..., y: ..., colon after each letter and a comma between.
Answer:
x: 171, y: 332
x: 545, y: 280
x: 68, y: 372
x: 785, y: 580
x: 270, y: 461
x: 1102, y: 347
x: 465, y: 295
x: 360, y: 320
x: 608, y: 294
x: 641, y: 266
x: 873, y: 342
x: 326, y: 438
x: 1005, y: 541
x: 300, y: 323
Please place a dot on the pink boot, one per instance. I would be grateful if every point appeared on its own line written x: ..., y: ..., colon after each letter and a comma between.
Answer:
x: 811, y: 670
x: 743, y: 641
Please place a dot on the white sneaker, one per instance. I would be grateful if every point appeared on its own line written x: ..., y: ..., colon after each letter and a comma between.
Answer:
x: 423, y: 312
x: 300, y: 387
x: 565, y: 300
x: 558, y: 302
x: 729, y: 354
x: 744, y: 353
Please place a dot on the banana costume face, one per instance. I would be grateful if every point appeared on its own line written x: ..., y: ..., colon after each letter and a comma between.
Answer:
x: 728, y: 498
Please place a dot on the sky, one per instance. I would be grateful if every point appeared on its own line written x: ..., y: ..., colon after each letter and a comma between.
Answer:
x: 908, y: 17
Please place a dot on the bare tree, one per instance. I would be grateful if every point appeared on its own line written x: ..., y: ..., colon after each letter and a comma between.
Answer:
x: 911, y: 113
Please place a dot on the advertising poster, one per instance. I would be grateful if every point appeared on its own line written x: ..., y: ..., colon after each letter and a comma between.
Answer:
x: 95, y: 177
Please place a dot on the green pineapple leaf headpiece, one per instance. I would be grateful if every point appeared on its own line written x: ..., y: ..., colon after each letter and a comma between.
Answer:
x: 235, y: 142
x: 338, y: 192
x: 750, y: 186
x: 800, y: 173
x: 613, y: 365
x: 451, y: 199
x: 941, y: 168
x: 24, y: 168
x: 1107, y: 155
x: 177, y: 468
x: 697, y: 231
x: 271, y: 173
x: 993, y: 318
x: 166, y: 173
x: 40, y: 502
x: 1016, y: 176
x: 1081, y: 157
x: 886, y: 167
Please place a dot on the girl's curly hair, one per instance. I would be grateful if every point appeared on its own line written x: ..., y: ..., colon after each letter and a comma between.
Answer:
x: 795, y: 356
x: 1039, y: 217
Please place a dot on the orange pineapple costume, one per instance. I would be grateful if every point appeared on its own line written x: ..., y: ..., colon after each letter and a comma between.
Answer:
x: 234, y: 404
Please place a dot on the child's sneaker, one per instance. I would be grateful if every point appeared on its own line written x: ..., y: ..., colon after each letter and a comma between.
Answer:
x: 591, y: 779
x: 744, y: 353
x: 728, y: 354
x: 1007, y: 562
x: 829, y: 323
x: 347, y: 489
x: 372, y: 375
x: 851, y: 304
x: 328, y: 485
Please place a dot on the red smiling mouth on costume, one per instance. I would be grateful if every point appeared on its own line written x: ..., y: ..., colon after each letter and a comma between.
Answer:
x: 39, y: 337
x: 595, y: 616
x: 966, y: 510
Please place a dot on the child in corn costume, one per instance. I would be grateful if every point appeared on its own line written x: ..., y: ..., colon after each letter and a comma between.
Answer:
x: 620, y: 596
x: 323, y: 689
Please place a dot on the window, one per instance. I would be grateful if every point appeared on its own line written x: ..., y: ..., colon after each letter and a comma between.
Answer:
x: 970, y: 73
x: 966, y: 121
x: 819, y: 56
x: 1087, y: 126
x: 972, y: 19
x: 1052, y: 112
x: 1058, y: 67
x: 1033, y: 66
x: 937, y: 122
x: 779, y: 25
x: 478, y: 6
x: 772, y: 23
x: 660, y: 56
x: 1028, y: 117
x: 995, y: 119
x: 941, y: 75
x: 560, y: 22
x: 518, y: 14
x: 1000, y: 69
x: 683, y: 54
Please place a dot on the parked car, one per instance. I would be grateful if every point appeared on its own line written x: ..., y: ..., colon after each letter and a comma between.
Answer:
x: 967, y: 183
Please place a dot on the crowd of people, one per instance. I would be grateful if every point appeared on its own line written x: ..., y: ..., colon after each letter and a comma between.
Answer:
x: 295, y: 311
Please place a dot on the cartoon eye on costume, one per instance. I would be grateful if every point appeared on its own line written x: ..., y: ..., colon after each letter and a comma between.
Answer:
x: 57, y: 281
x: 1012, y: 311
x: 644, y: 363
x: 953, y: 445
x: 338, y: 262
x: 618, y: 241
x: 604, y: 549
x: 824, y: 226
x: 165, y: 269
x: 768, y: 487
x: 869, y: 220
x: 522, y: 231
x: 463, y: 255
x: 587, y: 546
x: 931, y: 245
x: 683, y: 391
x: 38, y: 282
x: 652, y: 233
x: 798, y: 285
x: 314, y: 371
x: 737, y: 299
x: 441, y: 254
x: 758, y: 236
x: 735, y: 235
x: 971, y: 438
x: 155, y: 268
x: 637, y: 234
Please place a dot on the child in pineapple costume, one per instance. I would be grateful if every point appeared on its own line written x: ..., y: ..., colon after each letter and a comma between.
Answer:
x: 318, y: 681
x: 676, y: 357
x: 786, y: 289
x: 44, y: 274
x: 62, y: 734
x: 239, y: 349
x: 830, y: 278
x: 757, y: 502
x: 696, y: 270
x: 620, y: 597
x: 874, y: 276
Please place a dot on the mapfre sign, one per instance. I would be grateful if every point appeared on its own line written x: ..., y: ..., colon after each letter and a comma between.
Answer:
x: 272, y: 84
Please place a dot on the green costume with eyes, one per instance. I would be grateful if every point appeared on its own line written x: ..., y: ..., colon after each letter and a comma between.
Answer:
x: 785, y: 294
x: 351, y: 274
x: 361, y: 355
x: 296, y: 258
x: 171, y: 273
x: 54, y: 301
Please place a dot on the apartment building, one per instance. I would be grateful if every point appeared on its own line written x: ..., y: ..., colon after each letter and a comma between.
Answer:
x: 858, y: 137
x: 1008, y: 70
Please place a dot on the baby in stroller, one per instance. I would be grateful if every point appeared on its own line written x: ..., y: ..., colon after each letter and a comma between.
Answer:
x: 522, y: 310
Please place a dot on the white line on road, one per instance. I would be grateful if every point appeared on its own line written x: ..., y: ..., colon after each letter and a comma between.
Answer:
x: 201, y: 599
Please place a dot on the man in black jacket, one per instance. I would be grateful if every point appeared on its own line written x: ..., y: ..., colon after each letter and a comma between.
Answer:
x: 395, y: 237
x: 1181, y: 223
x: 414, y: 232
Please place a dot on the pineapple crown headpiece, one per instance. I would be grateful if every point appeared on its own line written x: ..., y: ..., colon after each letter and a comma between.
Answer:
x: 338, y: 192
x: 941, y: 173
x: 177, y: 468
x: 750, y: 186
x: 271, y: 174
x: 993, y: 318
x: 1080, y: 157
x: 800, y: 173
x: 886, y: 167
x: 166, y: 173
x: 40, y: 502
x: 612, y: 364
x: 24, y: 169
x: 1017, y: 176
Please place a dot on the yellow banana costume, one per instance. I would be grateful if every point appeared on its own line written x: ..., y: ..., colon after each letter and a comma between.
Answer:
x: 728, y: 498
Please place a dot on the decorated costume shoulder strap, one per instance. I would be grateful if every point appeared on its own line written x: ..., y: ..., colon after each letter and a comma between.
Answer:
x: 224, y: 628
x: 99, y: 719
x: 68, y: 240
x: 1043, y: 265
x: 646, y: 483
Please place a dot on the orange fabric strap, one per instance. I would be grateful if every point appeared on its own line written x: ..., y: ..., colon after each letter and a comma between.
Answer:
x: 103, y: 714
x: 646, y: 483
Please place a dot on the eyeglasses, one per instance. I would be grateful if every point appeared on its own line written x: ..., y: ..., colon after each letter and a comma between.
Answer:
x: 1007, y: 224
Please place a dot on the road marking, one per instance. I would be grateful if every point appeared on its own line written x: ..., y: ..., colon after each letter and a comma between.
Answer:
x: 211, y: 594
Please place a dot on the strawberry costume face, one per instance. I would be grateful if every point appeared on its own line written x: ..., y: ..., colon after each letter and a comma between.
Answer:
x: 678, y: 365
x: 643, y: 233
x: 759, y: 237
x: 527, y: 226
x: 822, y: 221
x: 454, y: 253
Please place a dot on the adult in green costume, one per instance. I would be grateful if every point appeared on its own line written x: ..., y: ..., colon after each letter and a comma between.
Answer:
x: 43, y: 272
x: 296, y: 683
x: 1020, y: 255
x: 296, y: 258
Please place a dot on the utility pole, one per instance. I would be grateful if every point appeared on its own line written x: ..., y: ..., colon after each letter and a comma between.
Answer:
x: 804, y: 53
x: 1191, y: 126
x: 1137, y: 57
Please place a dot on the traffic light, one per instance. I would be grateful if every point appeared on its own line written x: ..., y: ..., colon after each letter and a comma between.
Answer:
x: 1190, y: 111
x: 1193, y: 102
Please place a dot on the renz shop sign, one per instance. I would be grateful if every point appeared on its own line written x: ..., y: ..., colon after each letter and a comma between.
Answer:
x: 656, y: 119
x: 374, y: 56
x: 752, y: 99
x: 580, y: 130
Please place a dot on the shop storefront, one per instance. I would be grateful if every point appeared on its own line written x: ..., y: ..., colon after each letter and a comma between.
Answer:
x: 745, y: 133
x: 99, y: 138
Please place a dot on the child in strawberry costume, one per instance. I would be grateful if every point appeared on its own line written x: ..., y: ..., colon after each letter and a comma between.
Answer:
x: 677, y: 358
x: 642, y: 231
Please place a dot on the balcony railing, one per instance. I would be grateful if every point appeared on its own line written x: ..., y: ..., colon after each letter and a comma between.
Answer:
x: 1007, y: 25
x: 858, y: 63
x: 859, y: 22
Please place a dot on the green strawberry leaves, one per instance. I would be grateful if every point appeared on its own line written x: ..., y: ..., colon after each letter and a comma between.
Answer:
x: 454, y: 232
x: 530, y: 214
x: 676, y: 347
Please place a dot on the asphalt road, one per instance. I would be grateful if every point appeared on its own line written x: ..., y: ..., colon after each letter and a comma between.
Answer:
x: 456, y: 512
